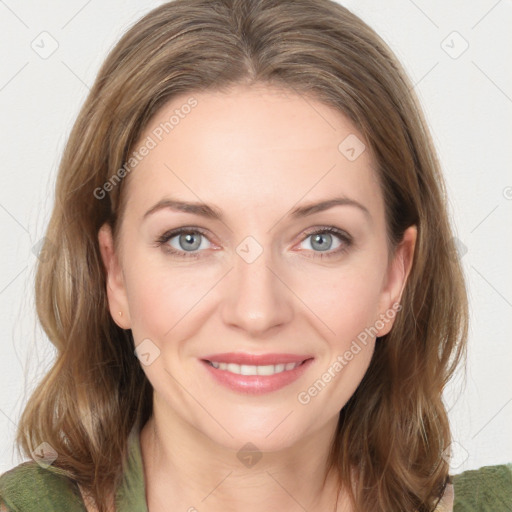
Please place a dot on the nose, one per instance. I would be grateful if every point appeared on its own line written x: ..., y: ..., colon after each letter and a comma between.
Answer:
x: 256, y: 298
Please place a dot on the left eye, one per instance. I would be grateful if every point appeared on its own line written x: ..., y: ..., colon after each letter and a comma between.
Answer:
x: 323, y: 240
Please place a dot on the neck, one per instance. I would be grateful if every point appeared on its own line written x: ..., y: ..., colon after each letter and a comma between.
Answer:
x: 196, y: 473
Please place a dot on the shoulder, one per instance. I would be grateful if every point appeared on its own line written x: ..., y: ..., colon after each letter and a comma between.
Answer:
x: 486, y: 488
x: 29, y: 487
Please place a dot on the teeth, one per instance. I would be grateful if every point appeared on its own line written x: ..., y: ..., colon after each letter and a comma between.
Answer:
x: 246, y: 369
x: 266, y: 370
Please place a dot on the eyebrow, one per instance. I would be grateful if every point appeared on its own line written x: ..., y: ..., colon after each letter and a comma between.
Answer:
x: 215, y: 213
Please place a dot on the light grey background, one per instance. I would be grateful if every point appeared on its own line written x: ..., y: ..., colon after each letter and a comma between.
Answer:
x: 467, y: 97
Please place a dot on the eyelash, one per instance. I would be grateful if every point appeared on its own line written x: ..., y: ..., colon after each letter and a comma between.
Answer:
x: 168, y: 235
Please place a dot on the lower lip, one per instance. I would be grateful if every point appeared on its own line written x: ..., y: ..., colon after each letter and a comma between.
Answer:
x: 257, y: 384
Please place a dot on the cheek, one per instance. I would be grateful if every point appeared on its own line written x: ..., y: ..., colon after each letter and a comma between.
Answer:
x: 349, y: 307
x: 345, y: 300
x: 158, y: 298
x: 348, y: 302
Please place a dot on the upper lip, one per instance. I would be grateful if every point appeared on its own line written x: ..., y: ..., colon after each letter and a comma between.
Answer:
x: 256, y: 359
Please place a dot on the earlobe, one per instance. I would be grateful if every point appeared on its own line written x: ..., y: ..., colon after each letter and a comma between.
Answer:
x: 116, y: 292
x: 398, y: 273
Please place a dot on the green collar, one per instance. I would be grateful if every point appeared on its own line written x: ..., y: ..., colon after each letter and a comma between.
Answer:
x: 131, y: 494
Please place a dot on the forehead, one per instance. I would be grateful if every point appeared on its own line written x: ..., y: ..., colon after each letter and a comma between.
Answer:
x: 252, y: 147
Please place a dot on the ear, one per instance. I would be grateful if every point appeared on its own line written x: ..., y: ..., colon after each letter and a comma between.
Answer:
x: 397, y: 274
x: 116, y: 291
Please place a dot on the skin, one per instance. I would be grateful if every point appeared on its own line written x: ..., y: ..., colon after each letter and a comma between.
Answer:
x: 255, y: 154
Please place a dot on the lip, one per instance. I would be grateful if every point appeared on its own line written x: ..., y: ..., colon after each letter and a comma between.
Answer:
x: 256, y: 384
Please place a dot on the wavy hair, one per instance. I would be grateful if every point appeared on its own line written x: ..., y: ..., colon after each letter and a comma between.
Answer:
x: 395, y: 428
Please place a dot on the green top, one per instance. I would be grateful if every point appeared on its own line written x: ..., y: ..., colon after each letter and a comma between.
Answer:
x: 30, y: 488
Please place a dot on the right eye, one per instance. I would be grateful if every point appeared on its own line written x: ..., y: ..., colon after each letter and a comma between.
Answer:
x: 188, y: 242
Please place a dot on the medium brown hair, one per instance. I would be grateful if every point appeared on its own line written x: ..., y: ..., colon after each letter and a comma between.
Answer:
x: 394, y: 429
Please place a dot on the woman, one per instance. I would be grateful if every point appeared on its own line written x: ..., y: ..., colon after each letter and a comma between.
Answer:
x: 212, y: 353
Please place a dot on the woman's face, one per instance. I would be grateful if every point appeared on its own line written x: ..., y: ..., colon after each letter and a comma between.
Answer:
x: 252, y: 274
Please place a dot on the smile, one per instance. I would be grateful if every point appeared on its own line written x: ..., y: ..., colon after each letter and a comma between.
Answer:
x: 244, y: 369
x: 256, y: 374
